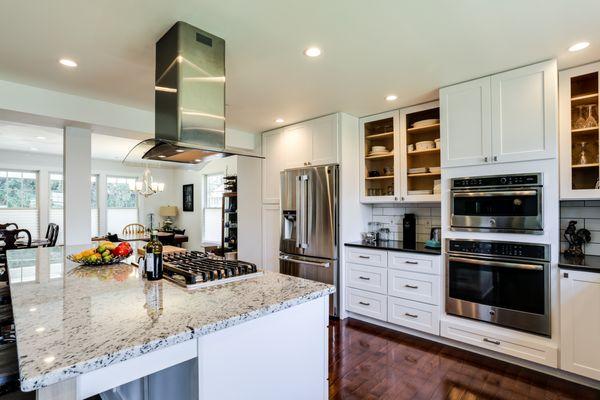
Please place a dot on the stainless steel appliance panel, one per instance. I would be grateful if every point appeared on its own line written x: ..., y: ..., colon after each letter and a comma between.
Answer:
x: 316, y: 269
x: 309, y: 205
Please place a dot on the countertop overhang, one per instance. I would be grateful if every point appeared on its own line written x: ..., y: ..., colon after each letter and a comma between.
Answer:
x: 584, y: 263
x: 395, y: 245
x: 71, y: 320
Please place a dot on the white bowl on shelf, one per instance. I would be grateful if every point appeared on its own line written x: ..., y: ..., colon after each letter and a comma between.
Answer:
x: 426, y: 122
x: 425, y: 145
x: 377, y: 149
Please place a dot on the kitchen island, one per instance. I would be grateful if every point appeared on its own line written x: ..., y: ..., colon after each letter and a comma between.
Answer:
x: 82, y: 331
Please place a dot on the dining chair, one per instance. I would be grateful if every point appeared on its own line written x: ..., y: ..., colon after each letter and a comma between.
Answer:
x: 5, y: 226
x: 52, y: 234
x: 168, y: 240
x: 12, y: 235
x: 134, y: 229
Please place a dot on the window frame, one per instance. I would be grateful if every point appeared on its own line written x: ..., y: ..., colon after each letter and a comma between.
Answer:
x: 205, y: 196
x: 37, y: 189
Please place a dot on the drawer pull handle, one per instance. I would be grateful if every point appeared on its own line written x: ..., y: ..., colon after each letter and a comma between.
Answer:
x: 411, y: 262
x: 364, y: 304
x: 365, y: 257
x: 411, y: 315
x: 364, y: 278
x: 411, y: 286
x: 496, y: 342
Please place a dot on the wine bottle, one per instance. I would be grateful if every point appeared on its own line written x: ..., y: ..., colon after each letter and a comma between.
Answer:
x: 154, y: 258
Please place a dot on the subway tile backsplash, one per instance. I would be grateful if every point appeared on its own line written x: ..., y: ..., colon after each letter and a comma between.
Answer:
x: 587, y: 215
x: 391, y: 215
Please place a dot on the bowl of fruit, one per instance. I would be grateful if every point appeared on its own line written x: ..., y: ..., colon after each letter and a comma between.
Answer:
x: 105, y: 253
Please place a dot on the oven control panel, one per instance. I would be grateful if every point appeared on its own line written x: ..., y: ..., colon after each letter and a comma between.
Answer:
x: 497, y: 248
x: 499, y: 180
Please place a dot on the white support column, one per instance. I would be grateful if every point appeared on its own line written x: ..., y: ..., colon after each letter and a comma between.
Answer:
x: 102, y: 211
x: 77, y: 169
x: 249, y: 210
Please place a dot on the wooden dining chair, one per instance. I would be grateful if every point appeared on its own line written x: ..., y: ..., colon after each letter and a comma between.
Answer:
x: 12, y: 235
x: 52, y: 234
x: 134, y: 229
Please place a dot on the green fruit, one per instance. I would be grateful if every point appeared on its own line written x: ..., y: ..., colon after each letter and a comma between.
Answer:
x: 106, y: 253
x: 101, y: 249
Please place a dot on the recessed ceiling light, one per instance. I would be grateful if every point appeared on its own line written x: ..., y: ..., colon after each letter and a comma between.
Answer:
x: 579, y: 46
x: 41, y: 137
x: 312, y: 52
x: 279, y: 120
x: 67, y: 63
x: 391, y: 97
x: 40, y: 329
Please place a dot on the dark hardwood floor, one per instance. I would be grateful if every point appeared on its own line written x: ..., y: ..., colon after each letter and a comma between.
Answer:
x: 370, y: 362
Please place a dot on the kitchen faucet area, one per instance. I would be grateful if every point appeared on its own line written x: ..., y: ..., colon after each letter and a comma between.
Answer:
x: 342, y: 200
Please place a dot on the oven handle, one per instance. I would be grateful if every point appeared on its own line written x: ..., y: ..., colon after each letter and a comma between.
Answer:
x: 497, y: 193
x: 533, y: 267
x: 304, y: 261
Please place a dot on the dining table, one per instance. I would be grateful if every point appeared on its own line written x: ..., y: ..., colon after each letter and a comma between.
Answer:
x: 145, y: 237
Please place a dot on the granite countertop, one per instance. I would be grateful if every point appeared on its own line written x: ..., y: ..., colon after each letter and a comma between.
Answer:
x: 585, y: 263
x: 396, y: 246
x: 71, y: 319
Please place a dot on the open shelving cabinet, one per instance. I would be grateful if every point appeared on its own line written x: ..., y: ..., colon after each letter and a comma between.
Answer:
x: 379, y: 181
x: 428, y: 158
x: 579, y: 135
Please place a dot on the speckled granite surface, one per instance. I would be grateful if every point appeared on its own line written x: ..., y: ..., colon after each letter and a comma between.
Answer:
x: 71, y: 319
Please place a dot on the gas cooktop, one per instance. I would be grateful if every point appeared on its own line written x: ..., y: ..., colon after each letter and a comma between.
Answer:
x: 195, y: 269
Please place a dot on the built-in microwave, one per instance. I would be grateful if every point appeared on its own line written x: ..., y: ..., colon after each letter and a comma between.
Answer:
x: 504, y: 283
x: 501, y: 203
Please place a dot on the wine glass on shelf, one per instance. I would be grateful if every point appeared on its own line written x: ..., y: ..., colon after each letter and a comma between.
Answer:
x: 590, y: 121
x: 582, y: 155
x: 580, y: 121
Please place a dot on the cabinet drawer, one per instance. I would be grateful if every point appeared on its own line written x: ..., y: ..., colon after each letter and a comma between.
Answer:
x: 357, y: 255
x: 414, y: 264
x: 372, y: 305
x: 415, y: 315
x: 365, y: 277
x: 414, y: 286
x: 540, y: 350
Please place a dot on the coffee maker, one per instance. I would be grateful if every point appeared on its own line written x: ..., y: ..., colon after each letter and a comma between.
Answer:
x: 409, y: 231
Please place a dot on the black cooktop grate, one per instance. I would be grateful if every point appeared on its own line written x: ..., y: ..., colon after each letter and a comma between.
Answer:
x: 197, y: 267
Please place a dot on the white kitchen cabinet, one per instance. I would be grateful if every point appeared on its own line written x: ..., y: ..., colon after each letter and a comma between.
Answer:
x: 580, y: 322
x: 511, y: 116
x: 313, y: 142
x: 578, y: 96
x: 465, y: 118
x: 525, y: 113
x: 380, y: 171
x: 274, y: 162
x: 271, y: 227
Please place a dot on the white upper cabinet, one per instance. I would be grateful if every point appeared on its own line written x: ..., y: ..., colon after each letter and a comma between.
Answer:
x: 524, y: 113
x: 580, y: 323
x: 273, y: 164
x: 313, y: 142
x: 465, y: 116
x: 506, y: 117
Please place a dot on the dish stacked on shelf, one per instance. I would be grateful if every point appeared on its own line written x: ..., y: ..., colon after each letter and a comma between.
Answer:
x: 423, y: 149
x: 379, y: 151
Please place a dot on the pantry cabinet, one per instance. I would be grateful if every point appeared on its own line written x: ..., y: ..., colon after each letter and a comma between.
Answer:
x: 580, y: 322
x: 579, y: 137
x: 271, y: 227
x: 507, y: 117
x: 313, y: 142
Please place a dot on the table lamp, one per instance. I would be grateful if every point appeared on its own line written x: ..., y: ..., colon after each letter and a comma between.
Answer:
x: 168, y: 212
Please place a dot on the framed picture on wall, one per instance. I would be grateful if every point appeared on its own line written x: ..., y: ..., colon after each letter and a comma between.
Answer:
x: 188, y: 197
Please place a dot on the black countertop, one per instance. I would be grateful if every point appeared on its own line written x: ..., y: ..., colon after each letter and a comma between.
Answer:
x: 585, y: 263
x: 397, y: 246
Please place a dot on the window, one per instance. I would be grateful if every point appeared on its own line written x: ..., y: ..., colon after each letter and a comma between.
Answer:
x: 18, y: 200
x: 212, y: 208
x: 56, y: 204
x: 94, y: 204
x: 121, y: 203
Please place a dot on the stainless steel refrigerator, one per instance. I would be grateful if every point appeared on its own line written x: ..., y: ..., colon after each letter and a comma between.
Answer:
x: 309, y: 226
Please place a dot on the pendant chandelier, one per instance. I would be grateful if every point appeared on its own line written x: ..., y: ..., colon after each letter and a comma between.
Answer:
x: 147, y: 187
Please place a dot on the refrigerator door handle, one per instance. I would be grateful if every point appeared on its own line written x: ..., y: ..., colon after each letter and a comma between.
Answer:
x: 324, y: 264
x: 303, y: 221
x: 298, y: 213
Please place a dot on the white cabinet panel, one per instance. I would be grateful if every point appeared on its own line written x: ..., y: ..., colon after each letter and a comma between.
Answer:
x: 274, y: 152
x: 580, y: 322
x: 325, y: 140
x: 365, y: 277
x: 415, y: 315
x: 414, y: 286
x: 414, y: 262
x: 465, y: 115
x: 524, y: 113
x: 358, y: 255
x: 298, y: 144
x: 372, y: 305
x: 271, y: 226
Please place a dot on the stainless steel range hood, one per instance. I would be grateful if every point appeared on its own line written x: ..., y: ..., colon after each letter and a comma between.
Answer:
x: 189, y: 99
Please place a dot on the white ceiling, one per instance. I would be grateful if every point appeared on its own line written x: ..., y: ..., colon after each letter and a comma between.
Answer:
x: 370, y: 48
x: 44, y: 140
